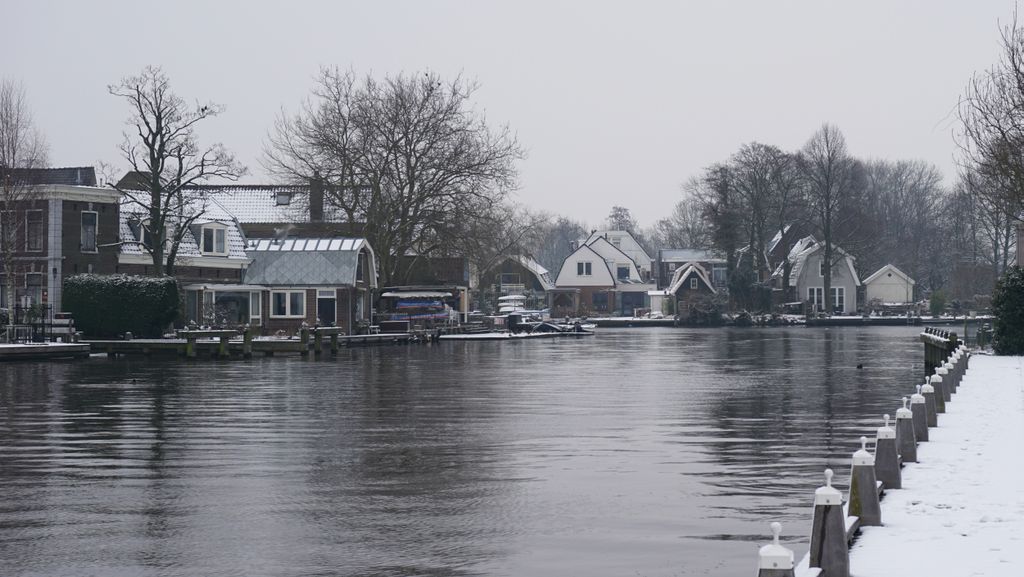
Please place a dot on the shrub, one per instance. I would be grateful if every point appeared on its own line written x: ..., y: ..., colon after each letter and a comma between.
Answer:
x: 937, y: 303
x: 1008, y: 308
x: 706, y: 311
x: 108, y: 306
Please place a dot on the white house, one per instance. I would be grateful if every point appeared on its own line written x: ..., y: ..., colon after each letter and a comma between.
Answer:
x: 628, y: 245
x: 599, y: 278
x: 889, y: 285
x: 807, y: 277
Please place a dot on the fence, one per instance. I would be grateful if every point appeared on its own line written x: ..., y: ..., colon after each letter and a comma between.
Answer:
x: 33, y: 324
x: 834, y: 527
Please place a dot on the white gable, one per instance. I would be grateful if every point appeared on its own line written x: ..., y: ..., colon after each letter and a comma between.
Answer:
x: 594, y: 268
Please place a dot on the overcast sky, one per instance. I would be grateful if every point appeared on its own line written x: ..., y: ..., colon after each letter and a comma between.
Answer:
x: 615, y: 103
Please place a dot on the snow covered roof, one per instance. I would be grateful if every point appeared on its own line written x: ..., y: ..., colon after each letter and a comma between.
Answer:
x: 252, y: 204
x: 134, y: 215
x: 542, y: 274
x: 307, y: 262
x: 804, y: 248
x: 684, y: 272
x: 889, y: 268
x: 688, y: 255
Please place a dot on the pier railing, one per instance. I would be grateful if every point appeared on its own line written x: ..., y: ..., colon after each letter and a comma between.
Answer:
x: 938, y: 345
x: 835, y: 525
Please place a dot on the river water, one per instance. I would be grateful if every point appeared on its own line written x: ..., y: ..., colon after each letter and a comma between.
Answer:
x: 638, y: 452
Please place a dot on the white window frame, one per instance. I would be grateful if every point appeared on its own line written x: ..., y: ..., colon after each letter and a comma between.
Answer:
x: 836, y: 291
x: 813, y: 294
x: 587, y: 266
x: 255, y: 307
x: 821, y: 267
x: 28, y: 232
x: 693, y: 283
x: 289, y: 314
x: 214, y: 228
x: 95, y: 232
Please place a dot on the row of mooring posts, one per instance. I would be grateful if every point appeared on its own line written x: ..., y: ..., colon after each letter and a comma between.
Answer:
x: 832, y: 528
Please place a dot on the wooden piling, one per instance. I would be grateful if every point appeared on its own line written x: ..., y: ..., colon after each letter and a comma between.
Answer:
x: 829, y: 548
x: 906, y: 440
x: 864, y: 488
x: 917, y: 409
x: 247, y: 342
x: 775, y: 560
x: 887, y: 458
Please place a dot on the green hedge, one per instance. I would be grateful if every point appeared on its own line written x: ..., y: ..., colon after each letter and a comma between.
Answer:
x: 1008, y: 308
x: 109, y: 306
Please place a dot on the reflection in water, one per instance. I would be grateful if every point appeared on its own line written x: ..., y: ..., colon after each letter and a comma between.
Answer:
x: 637, y: 452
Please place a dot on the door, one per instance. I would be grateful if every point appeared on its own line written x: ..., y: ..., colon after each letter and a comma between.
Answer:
x: 326, y: 308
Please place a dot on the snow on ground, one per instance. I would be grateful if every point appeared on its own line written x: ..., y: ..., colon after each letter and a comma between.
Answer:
x: 961, y: 509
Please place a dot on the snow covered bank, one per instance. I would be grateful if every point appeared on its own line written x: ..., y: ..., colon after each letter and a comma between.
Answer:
x: 961, y: 509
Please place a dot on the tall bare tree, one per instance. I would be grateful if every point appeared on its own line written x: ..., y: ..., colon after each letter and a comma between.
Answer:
x: 991, y: 136
x: 22, y: 149
x: 831, y: 187
x: 402, y: 157
x: 167, y: 162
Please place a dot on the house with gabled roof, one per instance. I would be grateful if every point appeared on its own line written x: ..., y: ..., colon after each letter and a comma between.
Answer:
x: 889, y: 286
x: 806, y: 281
x: 689, y: 283
x: 317, y: 281
x: 669, y: 260
x: 598, y: 278
x: 518, y: 274
x: 628, y: 245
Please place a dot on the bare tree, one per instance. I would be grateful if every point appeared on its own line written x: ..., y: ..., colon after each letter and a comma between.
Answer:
x: 22, y: 149
x: 167, y: 162
x: 684, y: 228
x: 555, y: 240
x: 991, y: 137
x: 404, y: 158
x: 831, y: 187
x: 506, y: 230
x: 620, y: 218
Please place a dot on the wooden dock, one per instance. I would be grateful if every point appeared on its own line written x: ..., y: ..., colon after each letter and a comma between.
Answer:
x: 42, y: 351
x: 266, y: 347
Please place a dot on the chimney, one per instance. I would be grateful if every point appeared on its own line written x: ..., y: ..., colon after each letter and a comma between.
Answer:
x: 316, y: 198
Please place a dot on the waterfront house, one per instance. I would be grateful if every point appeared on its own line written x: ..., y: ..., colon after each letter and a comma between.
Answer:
x: 316, y: 281
x: 518, y: 275
x: 209, y: 265
x: 889, y: 286
x: 670, y: 260
x: 807, y: 273
x: 599, y: 279
x: 689, y: 284
x: 57, y: 223
x: 628, y: 245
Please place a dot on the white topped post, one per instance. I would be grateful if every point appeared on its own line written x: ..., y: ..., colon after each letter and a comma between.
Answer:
x: 944, y: 372
x: 863, y: 488
x: 930, y: 396
x: 917, y: 409
x: 829, y: 548
x: 906, y: 440
x: 775, y: 560
x: 887, y: 458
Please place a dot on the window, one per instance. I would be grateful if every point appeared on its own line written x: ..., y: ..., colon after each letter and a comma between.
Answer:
x: 89, y: 222
x: 616, y: 241
x: 839, y: 298
x: 600, y: 301
x: 720, y: 275
x: 288, y: 304
x: 34, y: 230
x: 214, y: 240
x: 671, y: 266
x: 360, y: 265
x: 583, y: 269
x: 33, y: 289
x: 622, y: 272
x: 255, y: 310
x: 693, y: 283
x: 816, y: 296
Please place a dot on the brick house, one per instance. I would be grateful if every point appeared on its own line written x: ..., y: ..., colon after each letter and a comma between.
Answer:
x: 317, y: 281
x: 65, y: 226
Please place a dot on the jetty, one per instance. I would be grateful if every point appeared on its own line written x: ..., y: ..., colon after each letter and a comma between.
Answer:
x: 959, y: 511
x: 43, y: 351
